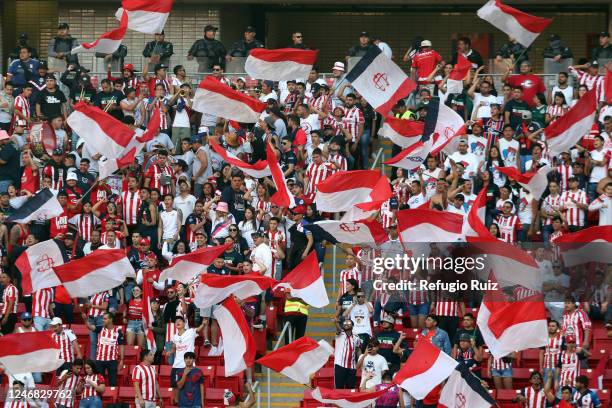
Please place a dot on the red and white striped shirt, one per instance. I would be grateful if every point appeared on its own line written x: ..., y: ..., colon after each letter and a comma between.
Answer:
x: 340, y: 162
x: 366, y: 258
x: 322, y: 103
x: 10, y: 293
x: 85, y: 224
x: 575, y: 324
x: 570, y: 365
x: 130, y: 201
x: 97, y: 300
x: 556, y: 111
x: 20, y: 403
x: 345, y: 354
x: 163, y: 117
x: 41, y: 302
x: 316, y: 173
x: 346, y: 274
x: 590, y: 81
x: 550, y: 203
x: 535, y: 399
x: 335, y: 124
x: 417, y: 296
x: 155, y: 174
x: 88, y: 390
x: 109, y: 341
x: 565, y: 172
x: 499, y: 364
x: 22, y: 105
x: 574, y: 215
x: 67, y: 392
x: 447, y: 308
x: 353, y: 117
x: 276, y: 239
x: 147, y: 378
x: 552, y: 350
x: 508, y: 226
x: 64, y: 340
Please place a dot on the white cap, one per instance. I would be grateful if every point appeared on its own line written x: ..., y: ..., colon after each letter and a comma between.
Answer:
x: 55, y: 320
x: 425, y: 43
x: 72, y: 176
x: 339, y: 66
x: 80, y: 143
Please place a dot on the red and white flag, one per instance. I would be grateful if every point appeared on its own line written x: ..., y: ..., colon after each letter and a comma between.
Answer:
x: 29, y: 352
x: 517, y: 24
x: 587, y: 245
x: 402, y: 132
x: 36, y: 265
x: 507, y: 326
x: 347, y: 398
x: 305, y: 281
x: 185, y: 268
x: 535, y: 183
x: 237, y: 337
x: 108, y: 42
x: 566, y: 131
x: 426, y: 367
x: 214, y: 288
x: 444, y: 126
x: 256, y: 170
x: 424, y: 225
x: 282, y: 64
x: 152, y: 127
x: 474, y: 229
x: 147, y: 316
x: 412, y: 157
x: 146, y: 16
x: 349, y: 232
x: 283, y: 197
x: 109, y: 166
x: 463, y: 389
x: 608, y: 86
x: 218, y: 99
x: 379, y: 80
x: 600, y: 370
x: 103, y: 133
x: 101, y: 270
x: 367, y: 189
x: 454, y: 83
x: 298, y: 360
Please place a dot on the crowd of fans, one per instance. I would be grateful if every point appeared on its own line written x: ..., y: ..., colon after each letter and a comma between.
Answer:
x: 179, y: 196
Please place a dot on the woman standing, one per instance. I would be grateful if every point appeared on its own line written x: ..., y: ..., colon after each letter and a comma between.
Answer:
x: 91, y: 387
x: 132, y: 317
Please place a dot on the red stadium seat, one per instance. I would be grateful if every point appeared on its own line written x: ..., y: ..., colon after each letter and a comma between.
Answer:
x: 324, y: 378
x: 505, y: 396
x: 214, y: 396
x: 234, y: 382
x: 167, y: 394
x: 204, y: 359
x: 131, y: 355
x: 110, y: 395
x: 271, y: 320
x: 260, y: 342
x: 530, y: 358
x: 164, y: 375
x: 126, y: 395
x: 209, y: 375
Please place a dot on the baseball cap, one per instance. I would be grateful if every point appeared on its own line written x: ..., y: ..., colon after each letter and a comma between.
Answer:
x: 364, y: 34
x: 389, y: 319
x: 55, y: 320
x: 200, y: 232
x: 63, y: 26
x: 160, y: 66
x: 604, y: 34
x: 58, y: 152
x: 249, y: 29
x: 425, y: 43
x: 26, y: 316
x: 129, y: 67
x: 465, y: 337
x: 300, y: 209
x: 209, y: 27
x: 145, y: 241
x: 595, y: 63
x: 151, y: 255
x: 71, y: 176
x: 338, y: 66
x: 70, y: 235
x: 222, y: 206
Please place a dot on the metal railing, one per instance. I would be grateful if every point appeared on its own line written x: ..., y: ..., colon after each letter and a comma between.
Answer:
x: 281, y: 337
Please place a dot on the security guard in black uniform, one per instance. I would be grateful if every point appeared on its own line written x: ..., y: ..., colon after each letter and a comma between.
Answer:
x: 208, y: 51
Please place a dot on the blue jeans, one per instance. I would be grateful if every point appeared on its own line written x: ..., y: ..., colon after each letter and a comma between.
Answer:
x: 91, y: 402
x: 93, y: 335
x: 364, y: 145
x: 41, y: 323
x: 592, y: 192
x: 127, y: 290
x: 416, y: 310
x: 169, y: 357
x: 522, y: 233
x: 547, y: 372
x: 4, y: 185
x: 524, y: 159
x: 320, y: 250
x: 546, y: 231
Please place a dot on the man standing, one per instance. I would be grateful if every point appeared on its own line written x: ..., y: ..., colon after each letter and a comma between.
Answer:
x: 464, y: 46
x: 60, y: 47
x: 425, y: 62
x: 144, y: 378
x: 207, y: 51
x: 437, y: 336
x: 604, y: 51
x: 9, y: 162
x: 110, y: 347
x: 348, y: 349
x: 182, y: 343
x: 22, y: 70
x: 190, y: 383
x: 233, y: 195
x: 158, y: 51
x: 67, y: 342
x: 8, y: 310
x: 42, y: 300
x: 530, y: 84
x: 363, y: 47
x: 297, y: 41
x: 243, y: 47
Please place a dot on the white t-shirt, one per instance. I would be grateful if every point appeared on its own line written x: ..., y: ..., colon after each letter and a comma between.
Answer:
x: 509, y: 150
x: 478, y: 146
x: 183, y: 344
x: 263, y: 254
x: 598, y: 172
x: 415, y: 201
x: 376, y: 365
x: 469, y: 160
x: 483, y: 111
x: 525, y: 212
x: 309, y: 124
x: 181, y: 119
x: 567, y: 92
x: 185, y: 204
x: 360, y: 316
x: 170, y: 227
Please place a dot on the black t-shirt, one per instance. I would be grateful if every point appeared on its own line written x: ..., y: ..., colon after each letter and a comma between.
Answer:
x: 345, y: 301
x: 288, y: 158
x: 232, y: 258
x: 235, y: 202
x: 218, y: 271
x: 516, y: 110
x: 9, y: 170
x: 51, y: 102
x: 101, y: 99
x: 387, y: 339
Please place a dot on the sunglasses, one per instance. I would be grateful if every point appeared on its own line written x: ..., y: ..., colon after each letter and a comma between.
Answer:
x: 216, y: 70
x: 233, y: 229
x: 298, y: 36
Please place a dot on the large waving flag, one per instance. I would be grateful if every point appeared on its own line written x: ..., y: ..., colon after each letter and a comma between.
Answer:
x: 29, y: 352
x: 103, y: 269
x: 454, y: 83
x: 103, y: 133
x: 465, y: 388
x: 306, y: 282
x: 587, y: 245
x: 256, y: 170
x: 379, y: 80
x: 109, y: 166
x: 608, y: 86
x: 218, y: 99
x: 347, y: 398
x: 147, y: 316
x: 281, y: 64
x: 108, y: 42
x: 444, y: 126
x: 517, y: 24
x: 298, y: 360
x: 237, y: 337
x: 185, y: 268
x: 214, y: 288
x: 283, y: 197
x: 566, y: 131
x: 535, y: 183
x: 40, y: 207
x: 349, y: 232
x: 474, y: 229
x: 146, y: 16
x: 36, y: 265
x: 512, y: 326
x: 426, y: 367
x: 153, y: 127
x: 366, y: 189
x: 423, y: 225
x: 413, y: 156
x: 402, y: 132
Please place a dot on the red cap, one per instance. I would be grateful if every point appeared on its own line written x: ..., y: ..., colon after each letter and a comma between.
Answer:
x: 129, y: 67
x: 151, y: 255
x: 145, y: 241
x: 570, y: 339
x: 479, y: 122
x: 300, y: 209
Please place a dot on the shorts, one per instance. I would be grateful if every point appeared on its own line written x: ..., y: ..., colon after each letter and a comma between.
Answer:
x: 207, y: 312
x: 505, y: 373
x: 135, y: 326
x: 418, y: 310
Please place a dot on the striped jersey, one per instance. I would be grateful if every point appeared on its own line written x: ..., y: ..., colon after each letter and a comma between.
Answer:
x: 10, y: 293
x: 346, y: 274
x: 64, y: 340
x: 570, y: 365
x: 147, y: 378
x: 316, y: 174
x: 22, y: 105
x: 508, y: 227
x: 109, y: 341
x: 345, y: 354
x: 130, y: 203
x: 565, y: 172
x: 535, y: 399
x: 67, y: 391
x: 88, y: 390
x: 98, y: 300
x: 41, y: 302
x: 552, y: 351
x: 353, y: 117
x: 85, y: 224
x: 575, y: 323
x: 573, y: 214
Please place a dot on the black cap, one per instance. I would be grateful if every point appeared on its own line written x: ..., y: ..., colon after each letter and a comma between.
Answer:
x: 210, y: 27
x: 364, y: 34
x: 249, y: 29
x: 23, y: 36
x: 162, y: 32
x: 465, y: 337
x: 160, y: 66
x: 595, y: 63
x: 43, y: 64
x: 604, y: 34
x: 63, y: 26
x: 70, y: 235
